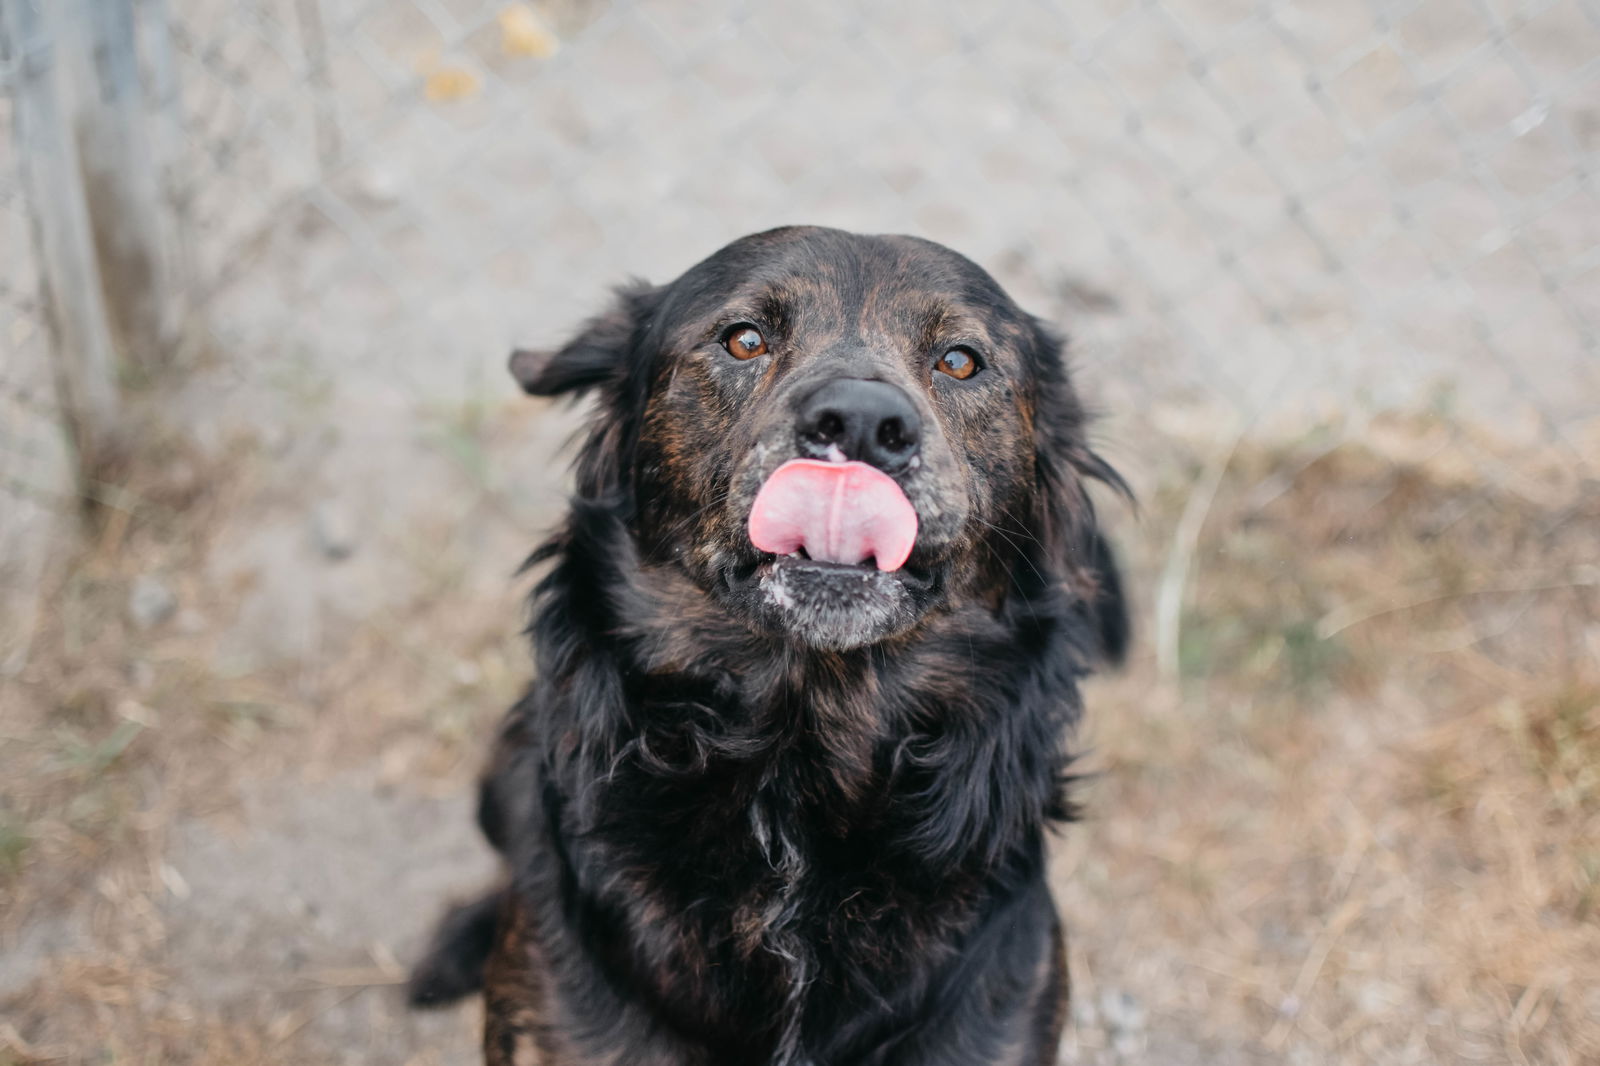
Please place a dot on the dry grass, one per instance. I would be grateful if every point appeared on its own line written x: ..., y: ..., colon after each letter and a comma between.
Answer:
x: 1365, y: 824
x: 1362, y: 825
x: 114, y: 735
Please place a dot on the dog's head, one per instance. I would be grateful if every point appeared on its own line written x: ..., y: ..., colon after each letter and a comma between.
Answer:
x: 835, y: 435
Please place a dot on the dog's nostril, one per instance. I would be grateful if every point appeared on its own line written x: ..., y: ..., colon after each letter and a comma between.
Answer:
x: 829, y: 427
x: 892, y: 434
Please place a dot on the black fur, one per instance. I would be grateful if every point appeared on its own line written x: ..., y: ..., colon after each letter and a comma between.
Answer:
x: 453, y: 965
x: 1110, y: 607
x: 730, y: 842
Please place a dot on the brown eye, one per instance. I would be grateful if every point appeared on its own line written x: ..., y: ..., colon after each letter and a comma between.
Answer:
x: 745, y: 342
x: 958, y: 363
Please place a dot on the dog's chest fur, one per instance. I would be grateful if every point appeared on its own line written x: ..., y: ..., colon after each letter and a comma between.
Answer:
x: 755, y: 837
x: 787, y: 838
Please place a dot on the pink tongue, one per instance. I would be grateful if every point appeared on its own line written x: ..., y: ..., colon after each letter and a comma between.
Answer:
x: 837, y: 512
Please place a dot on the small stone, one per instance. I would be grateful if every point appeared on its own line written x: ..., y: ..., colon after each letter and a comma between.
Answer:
x: 1121, y: 1012
x: 274, y: 439
x: 379, y: 186
x: 141, y: 675
x: 466, y: 673
x: 175, y: 881
x: 181, y: 482
x: 1128, y: 1045
x: 1374, y: 998
x: 150, y: 602
x: 333, y: 531
x: 136, y: 712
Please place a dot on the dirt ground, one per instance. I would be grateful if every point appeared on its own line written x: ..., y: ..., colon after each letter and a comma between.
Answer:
x: 1344, y: 804
x: 1358, y: 826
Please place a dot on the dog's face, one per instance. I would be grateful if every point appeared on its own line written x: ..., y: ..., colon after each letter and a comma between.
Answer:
x: 833, y: 435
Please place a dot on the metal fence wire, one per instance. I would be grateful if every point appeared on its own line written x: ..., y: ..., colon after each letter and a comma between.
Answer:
x: 1277, y: 211
x: 1380, y: 200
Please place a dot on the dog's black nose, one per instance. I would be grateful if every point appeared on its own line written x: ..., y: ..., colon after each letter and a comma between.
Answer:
x: 872, y: 421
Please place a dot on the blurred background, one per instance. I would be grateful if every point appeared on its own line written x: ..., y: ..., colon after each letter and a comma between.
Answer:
x: 1332, y: 275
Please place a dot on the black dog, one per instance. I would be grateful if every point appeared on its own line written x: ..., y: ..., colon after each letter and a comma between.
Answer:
x: 808, y: 653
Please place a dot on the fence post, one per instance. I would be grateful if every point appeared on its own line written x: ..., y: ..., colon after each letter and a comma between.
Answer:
x: 123, y: 181
x: 101, y: 196
x: 69, y: 275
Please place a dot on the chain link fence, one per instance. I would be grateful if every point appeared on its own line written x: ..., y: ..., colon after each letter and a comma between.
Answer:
x: 1372, y: 204
x: 1277, y: 213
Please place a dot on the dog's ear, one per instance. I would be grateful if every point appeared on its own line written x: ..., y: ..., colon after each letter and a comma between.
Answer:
x: 610, y: 355
x: 1109, y: 607
x: 1065, y: 526
x: 601, y: 352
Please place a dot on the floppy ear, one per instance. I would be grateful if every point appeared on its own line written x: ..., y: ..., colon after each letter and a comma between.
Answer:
x: 1109, y: 608
x: 600, y: 352
x: 610, y: 354
x: 1064, y: 518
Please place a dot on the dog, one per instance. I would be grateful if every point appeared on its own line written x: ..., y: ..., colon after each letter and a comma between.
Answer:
x: 808, y: 652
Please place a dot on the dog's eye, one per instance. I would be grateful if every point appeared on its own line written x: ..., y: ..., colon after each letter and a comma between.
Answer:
x: 744, y: 341
x: 958, y: 363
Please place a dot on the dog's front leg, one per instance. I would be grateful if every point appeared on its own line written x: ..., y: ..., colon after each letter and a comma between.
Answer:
x: 516, y: 1031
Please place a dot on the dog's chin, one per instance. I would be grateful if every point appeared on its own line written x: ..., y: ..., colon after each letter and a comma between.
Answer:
x: 832, y: 606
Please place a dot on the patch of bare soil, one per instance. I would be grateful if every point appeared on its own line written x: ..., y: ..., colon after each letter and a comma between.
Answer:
x: 1358, y: 824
